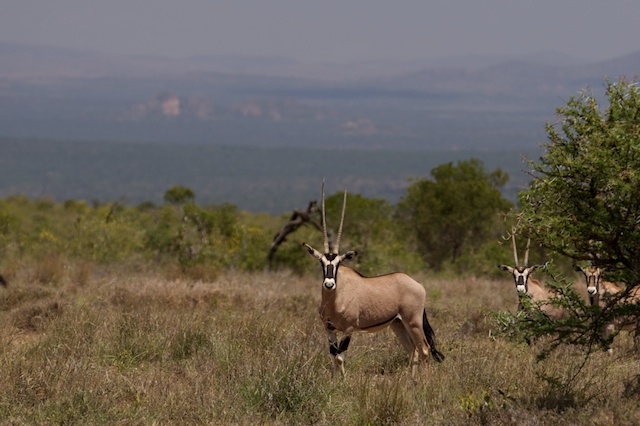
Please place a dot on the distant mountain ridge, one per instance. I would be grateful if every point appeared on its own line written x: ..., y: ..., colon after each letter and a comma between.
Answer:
x: 448, y: 103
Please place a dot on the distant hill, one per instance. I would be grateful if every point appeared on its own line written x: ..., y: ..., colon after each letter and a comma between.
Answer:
x: 472, y: 103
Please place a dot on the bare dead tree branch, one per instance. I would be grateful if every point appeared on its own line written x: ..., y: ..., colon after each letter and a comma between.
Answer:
x: 297, y: 219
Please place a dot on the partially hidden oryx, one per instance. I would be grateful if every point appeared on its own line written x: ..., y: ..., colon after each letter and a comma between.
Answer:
x: 351, y: 302
x: 598, y: 290
x: 526, y: 286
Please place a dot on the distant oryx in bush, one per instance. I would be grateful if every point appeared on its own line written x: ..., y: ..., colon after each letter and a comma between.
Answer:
x: 351, y: 302
x: 598, y: 290
x: 528, y: 286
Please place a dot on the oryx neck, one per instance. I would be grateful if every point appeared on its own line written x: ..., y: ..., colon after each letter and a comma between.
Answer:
x: 535, y: 289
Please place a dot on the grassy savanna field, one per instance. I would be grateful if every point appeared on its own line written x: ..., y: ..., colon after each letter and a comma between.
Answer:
x: 122, y: 346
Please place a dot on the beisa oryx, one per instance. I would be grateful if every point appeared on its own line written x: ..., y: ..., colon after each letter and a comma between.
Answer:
x: 527, y: 286
x: 351, y: 302
x: 600, y: 291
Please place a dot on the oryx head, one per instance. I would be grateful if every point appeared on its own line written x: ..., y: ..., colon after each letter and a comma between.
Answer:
x: 520, y: 273
x: 330, y: 260
x: 593, y: 276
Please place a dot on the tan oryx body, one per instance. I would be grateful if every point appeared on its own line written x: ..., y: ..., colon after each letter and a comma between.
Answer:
x: 598, y: 290
x: 527, y: 286
x: 351, y: 302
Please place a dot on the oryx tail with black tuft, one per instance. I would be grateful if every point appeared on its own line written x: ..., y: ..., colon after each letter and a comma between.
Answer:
x: 431, y: 338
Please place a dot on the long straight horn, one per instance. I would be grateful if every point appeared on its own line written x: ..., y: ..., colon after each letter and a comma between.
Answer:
x: 526, y: 253
x: 515, y: 252
x: 344, y: 205
x: 324, y: 223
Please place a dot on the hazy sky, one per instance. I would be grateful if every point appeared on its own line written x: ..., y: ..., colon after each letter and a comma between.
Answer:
x: 328, y: 30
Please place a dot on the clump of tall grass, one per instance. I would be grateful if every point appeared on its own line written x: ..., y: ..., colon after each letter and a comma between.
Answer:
x: 288, y: 388
x: 49, y: 270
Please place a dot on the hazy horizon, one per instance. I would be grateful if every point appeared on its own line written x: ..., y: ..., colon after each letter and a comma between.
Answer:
x: 329, y: 31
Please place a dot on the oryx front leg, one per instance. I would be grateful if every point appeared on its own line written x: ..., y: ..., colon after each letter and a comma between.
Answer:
x: 336, y: 349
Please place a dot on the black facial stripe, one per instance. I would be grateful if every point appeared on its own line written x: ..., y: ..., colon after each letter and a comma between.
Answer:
x: 329, y: 273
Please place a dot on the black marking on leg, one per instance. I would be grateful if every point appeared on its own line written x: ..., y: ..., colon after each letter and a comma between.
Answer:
x: 344, y: 344
x: 333, y: 349
x: 337, y: 348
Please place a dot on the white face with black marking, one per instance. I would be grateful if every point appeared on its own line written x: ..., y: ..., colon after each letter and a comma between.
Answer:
x: 520, y: 276
x: 330, y: 263
x: 593, y: 275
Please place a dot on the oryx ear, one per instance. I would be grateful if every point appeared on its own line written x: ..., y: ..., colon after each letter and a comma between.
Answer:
x: 506, y: 268
x: 350, y: 255
x: 534, y: 267
x: 578, y: 268
x: 313, y: 252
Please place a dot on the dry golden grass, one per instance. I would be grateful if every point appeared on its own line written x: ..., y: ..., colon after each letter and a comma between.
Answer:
x: 108, y: 347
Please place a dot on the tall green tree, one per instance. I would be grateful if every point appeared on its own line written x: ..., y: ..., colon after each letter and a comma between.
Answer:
x: 584, y: 202
x: 179, y: 194
x: 453, y: 212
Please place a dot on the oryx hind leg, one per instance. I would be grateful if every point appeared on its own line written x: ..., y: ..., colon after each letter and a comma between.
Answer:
x: 403, y: 335
x: 407, y: 342
x: 420, y: 348
x: 418, y: 338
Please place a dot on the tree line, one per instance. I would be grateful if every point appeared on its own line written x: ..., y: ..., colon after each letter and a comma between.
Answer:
x: 440, y: 222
